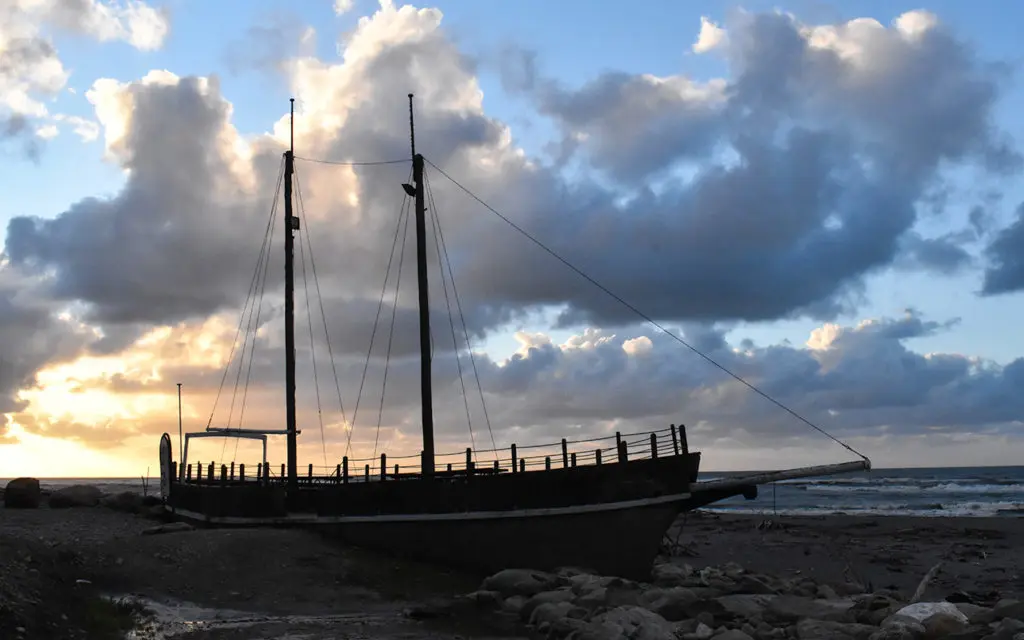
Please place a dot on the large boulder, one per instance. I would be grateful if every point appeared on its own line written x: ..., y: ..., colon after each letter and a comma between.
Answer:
x: 127, y: 501
x: 520, y: 582
x: 22, y: 493
x: 83, y: 495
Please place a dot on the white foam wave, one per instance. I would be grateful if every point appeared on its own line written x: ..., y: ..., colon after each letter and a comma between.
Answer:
x: 967, y: 509
x: 947, y: 487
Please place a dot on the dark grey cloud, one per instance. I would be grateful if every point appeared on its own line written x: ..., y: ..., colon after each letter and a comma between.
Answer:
x: 1006, y: 255
x: 803, y: 174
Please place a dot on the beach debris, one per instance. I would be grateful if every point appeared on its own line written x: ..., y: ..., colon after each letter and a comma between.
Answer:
x: 925, y: 581
x: 79, y: 495
x: 22, y: 493
x: 171, y: 527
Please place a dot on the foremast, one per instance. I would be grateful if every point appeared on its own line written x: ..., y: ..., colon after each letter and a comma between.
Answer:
x: 291, y: 223
x: 426, y: 394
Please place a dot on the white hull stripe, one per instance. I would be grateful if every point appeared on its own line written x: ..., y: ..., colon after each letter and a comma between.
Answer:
x: 314, y: 519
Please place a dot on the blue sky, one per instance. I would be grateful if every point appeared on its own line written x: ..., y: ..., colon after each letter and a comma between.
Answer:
x: 100, y: 257
x: 575, y: 41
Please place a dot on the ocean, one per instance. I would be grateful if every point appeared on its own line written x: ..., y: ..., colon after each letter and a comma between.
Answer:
x: 957, y: 491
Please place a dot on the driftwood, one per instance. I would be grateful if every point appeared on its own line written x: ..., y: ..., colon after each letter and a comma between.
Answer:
x: 925, y: 581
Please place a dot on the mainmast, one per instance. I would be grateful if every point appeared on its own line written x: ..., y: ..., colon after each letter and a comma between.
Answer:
x: 291, y: 223
x: 426, y: 397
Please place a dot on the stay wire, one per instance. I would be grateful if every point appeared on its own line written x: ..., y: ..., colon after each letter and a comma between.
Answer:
x: 309, y: 321
x: 344, y: 163
x: 403, y: 212
x: 320, y: 298
x: 248, y: 295
x: 451, y: 322
x: 391, y: 335
x: 647, y: 318
x: 462, y: 317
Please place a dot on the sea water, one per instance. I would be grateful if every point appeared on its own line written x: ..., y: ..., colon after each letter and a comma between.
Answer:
x: 950, y: 491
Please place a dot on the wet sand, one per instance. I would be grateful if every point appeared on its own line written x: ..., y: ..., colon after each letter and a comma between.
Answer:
x: 290, y: 572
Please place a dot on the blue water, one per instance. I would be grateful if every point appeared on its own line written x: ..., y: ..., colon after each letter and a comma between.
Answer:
x: 960, y: 491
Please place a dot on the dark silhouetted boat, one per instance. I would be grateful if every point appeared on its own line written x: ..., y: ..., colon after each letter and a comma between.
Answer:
x: 603, y: 504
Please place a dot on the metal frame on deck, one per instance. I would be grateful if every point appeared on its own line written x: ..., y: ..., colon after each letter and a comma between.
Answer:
x: 246, y: 434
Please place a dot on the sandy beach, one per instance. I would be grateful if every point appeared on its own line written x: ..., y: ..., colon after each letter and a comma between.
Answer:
x: 54, y: 562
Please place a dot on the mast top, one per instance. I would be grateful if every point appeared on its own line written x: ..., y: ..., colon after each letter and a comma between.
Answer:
x: 412, y: 128
x: 291, y: 142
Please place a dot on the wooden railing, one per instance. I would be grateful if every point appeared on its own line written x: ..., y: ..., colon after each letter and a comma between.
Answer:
x: 618, y: 448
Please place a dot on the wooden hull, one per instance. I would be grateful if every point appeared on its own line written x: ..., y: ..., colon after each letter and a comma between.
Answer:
x: 606, y: 518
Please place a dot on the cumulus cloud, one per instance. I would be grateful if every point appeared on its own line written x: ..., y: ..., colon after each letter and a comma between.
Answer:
x: 31, y: 71
x: 768, y: 194
x: 710, y: 37
x: 342, y: 7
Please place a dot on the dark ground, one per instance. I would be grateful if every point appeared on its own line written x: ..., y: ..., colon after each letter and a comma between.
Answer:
x: 44, y: 554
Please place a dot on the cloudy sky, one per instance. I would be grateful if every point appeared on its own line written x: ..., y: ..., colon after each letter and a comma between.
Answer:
x: 824, y: 200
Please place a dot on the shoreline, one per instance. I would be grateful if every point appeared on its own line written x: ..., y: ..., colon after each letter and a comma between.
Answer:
x: 287, y: 572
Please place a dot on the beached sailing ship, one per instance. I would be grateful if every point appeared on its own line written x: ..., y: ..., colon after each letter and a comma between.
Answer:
x: 605, y: 507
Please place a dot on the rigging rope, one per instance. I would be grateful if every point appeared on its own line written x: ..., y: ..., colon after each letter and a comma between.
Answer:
x: 439, y: 231
x: 323, y: 314
x: 391, y: 335
x: 248, y: 295
x: 312, y: 344
x: 342, y: 163
x: 647, y: 318
x: 451, y: 322
x: 403, y: 213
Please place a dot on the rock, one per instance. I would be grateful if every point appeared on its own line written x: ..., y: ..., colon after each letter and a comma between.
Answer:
x: 827, y: 630
x: 905, y: 623
x: 754, y: 584
x: 732, y: 634
x: 483, y: 599
x: 1007, y: 629
x: 523, y: 582
x: 550, y: 612
x: 942, y: 624
x: 544, y: 597
x: 673, y: 604
x: 636, y: 623
x: 702, y: 632
x: 976, y: 614
x: 921, y: 611
x: 671, y: 575
x: 127, y: 501
x: 82, y: 495
x: 171, y: 527
x: 897, y: 632
x: 513, y: 604
x: 22, y: 493
x: 744, y: 605
x: 1009, y: 609
x: 593, y: 599
x: 793, y: 608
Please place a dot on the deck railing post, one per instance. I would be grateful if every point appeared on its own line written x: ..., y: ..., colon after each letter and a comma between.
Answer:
x: 618, y: 444
x: 597, y: 456
x: 366, y: 473
x: 383, y: 466
x: 344, y: 469
x: 565, y: 453
x: 223, y: 473
x: 283, y: 474
x: 449, y: 467
x: 241, y: 472
x: 654, y: 446
x: 572, y: 459
x: 496, y: 465
x: 209, y: 472
x: 231, y: 475
x: 682, y: 440
x: 547, y: 463
x: 396, y: 471
x: 174, y: 471
x: 623, y: 452
x: 188, y: 473
x: 259, y: 472
x: 522, y: 465
x: 309, y: 473
x: 337, y: 474
x: 675, y: 439
x: 515, y: 464
x: 469, y: 460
